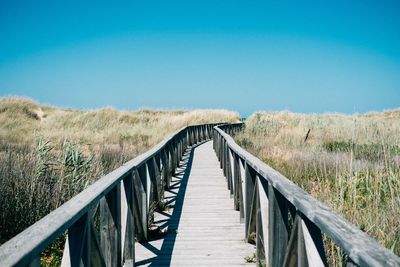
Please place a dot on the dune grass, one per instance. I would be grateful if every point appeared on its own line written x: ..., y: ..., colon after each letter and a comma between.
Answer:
x: 350, y: 163
x: 49, y: 154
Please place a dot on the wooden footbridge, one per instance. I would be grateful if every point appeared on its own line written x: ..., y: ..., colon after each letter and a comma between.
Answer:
x: 196, y: 199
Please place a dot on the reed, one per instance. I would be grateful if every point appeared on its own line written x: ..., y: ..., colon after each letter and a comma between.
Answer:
x: 49, y: 154
x: 350, y: 163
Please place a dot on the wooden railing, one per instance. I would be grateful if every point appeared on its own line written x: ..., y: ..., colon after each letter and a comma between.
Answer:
x: 284, y: 221
x: 102, y: 222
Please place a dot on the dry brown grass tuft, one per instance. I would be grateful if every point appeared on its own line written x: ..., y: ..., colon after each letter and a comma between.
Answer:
x: 48, y: 154
x: 351, y: 163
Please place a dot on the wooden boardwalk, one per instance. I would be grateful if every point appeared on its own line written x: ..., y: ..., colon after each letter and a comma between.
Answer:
x: 200, y: 228
x: 198, y: 225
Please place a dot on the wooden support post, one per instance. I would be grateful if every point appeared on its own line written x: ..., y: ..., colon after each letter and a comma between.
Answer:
x: 128, y: 222
x: 140, y: 203
x: 157, y: 169
x: 313, y: 243
x: 166, y: 179
x: 251, y: 218
x: 236, y: 182
x: 223, y: 157
x: 35, y: 262
x: 263, y: 222
x: 193, y: 136
x: 260, y: 252
x: 242, y: 188
x: 295, y: 254
x: 110, y: 227
x: 249, y: 192
x: 75, y: 243
x: 154, y: 180
x: 231, y: 171
x: 278, y: 232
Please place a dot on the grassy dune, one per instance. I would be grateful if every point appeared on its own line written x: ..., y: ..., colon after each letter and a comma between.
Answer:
x: 49, y: 154
x: 351, y: 163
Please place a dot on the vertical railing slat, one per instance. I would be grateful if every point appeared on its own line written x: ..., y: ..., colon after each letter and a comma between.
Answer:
x: 35, y: 262
x: 314, y: 245
x: 250, y: 177
x: 264, y: 215
x: 237, y: 182
x: 242, y: 186
x: 140, y: 203
x: 278, y: 233
x: 128, y: 222
x: 110, y: 227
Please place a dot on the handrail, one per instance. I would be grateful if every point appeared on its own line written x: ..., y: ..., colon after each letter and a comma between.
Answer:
x: 121, y: 201
x: 285, y: 222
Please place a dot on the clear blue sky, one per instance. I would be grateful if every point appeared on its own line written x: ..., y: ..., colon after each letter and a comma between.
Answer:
x: 305, y: 56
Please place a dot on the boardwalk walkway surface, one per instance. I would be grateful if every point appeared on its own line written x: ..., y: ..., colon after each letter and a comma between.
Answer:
x: 200, y: 228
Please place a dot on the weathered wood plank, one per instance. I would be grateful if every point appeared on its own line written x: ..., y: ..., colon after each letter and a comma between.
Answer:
x: 203, y: 228
x: 110, y: 227
x: 75, y: 243
x: 250, y: 193
x: 263, y: 220
x: 278, y: 233
x: 128, y: 222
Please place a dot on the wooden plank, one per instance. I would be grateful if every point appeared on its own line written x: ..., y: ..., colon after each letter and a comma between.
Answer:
x: 203, y: 224
x: 295, y: 255
x: 140, y: 204
x: 242, y: 186
x: 263, y: 213
x: 110, y: 227
x: 237, y: 182
x: 128, y: 223
x: 75, y: 243
x: 251, y: 234
x: 314, y: 246
x: 165, y: 167
x: 35, y: 262
x: 250, y: 177
x: 231, y: 173
x: 95, y: 252
x: 278, y: 233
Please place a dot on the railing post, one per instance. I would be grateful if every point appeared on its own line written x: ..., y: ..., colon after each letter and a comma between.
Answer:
x: 174, y: 149
x: 193, y: 141
x: 221, y: 152
x: 181, y: 147
x: 76, y: 243
x: 225, y: 164
x: 250, y: 177
x: 128, y: 222
x: 140, y: 211
x: 236, y: 181
x: 154, y: 176
x: 278, y: 233
x: 313, y: 243
x: 166, y: 172
x: 171, y: 159
x: 231, y: 171
x: 242, y: 188
x: 262, y: 221
x: 35, y: 262
x: 110, y: 227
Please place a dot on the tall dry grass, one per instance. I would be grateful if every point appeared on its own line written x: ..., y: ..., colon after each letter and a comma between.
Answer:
x: 49, y: 154
x: 350, y: 163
